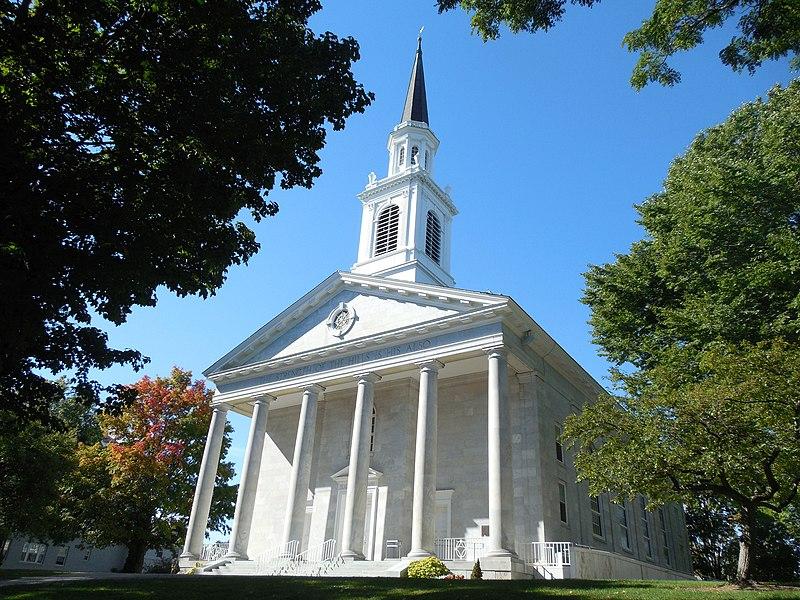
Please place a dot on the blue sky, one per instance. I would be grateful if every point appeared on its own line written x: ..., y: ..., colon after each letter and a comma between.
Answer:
x: 546, y: 147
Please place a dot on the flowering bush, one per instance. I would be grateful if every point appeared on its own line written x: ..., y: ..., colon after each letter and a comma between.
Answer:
x: 453, y: 576
x: 427, y: 568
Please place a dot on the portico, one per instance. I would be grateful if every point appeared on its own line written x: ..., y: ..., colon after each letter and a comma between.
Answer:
x: 416, y: 358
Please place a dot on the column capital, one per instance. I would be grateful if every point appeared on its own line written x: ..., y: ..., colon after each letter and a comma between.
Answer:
x: 222, y: 407
x: 313, y: 388
x: 369, y: 376
x: 430, y: 365
x: 263, y: 399
x: 496, y: 351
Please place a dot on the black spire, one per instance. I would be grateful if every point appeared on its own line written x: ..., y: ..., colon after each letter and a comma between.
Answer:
x: 416, y: 108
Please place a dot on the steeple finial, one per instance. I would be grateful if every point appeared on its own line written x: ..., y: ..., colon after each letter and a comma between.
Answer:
x: 416, y: 107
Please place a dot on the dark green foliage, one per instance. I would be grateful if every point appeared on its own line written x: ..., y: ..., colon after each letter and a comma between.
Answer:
x: 714, y: 543
x: 476, y: 571
x: 767, y: 29
x: 34, y: 460
x: 134, y: 134
x: 702, y: 320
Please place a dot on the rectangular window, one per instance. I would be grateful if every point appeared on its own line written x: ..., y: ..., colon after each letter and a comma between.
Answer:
x: 61, y: 555
x: 648, y: 543
x: 559, y: 447
x: 33, y: 553
x: 622, y: 519
x: 87, y: 553
x: 484, y: 531
x: 562, y: 502
x: 597, y: 517
x: 664, y: 536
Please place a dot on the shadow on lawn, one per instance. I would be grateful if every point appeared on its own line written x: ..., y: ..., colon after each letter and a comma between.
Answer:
x: 265, y: 588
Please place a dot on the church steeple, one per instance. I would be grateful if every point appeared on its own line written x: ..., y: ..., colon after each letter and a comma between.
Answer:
x: 416, y: 106
x: 407, y: 217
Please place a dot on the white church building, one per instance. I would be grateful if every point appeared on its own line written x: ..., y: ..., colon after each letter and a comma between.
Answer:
x: 395, y: 416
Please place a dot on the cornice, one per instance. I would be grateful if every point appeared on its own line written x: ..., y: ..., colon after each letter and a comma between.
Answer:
x: 451, y: 322
x: 382, y: 186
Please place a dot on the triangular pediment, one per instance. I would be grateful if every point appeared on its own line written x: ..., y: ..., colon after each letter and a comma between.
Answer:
x: 372, y: 306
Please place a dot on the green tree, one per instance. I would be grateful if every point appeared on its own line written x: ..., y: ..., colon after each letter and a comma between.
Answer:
x: 715, y: 545
x: 135, y: 133
x: 136, y: 487
x: 702, y: 320
x: 34, y: 460
x: 767, y: 29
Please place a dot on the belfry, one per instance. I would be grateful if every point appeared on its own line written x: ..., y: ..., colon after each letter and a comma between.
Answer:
x: 394, y: 416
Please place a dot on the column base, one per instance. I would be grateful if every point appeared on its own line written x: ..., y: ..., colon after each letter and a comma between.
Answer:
x: 419, y: 553
x: 504, y: 567
x: 351, y: 555
x: 236, y: 556
x: 189, y: 556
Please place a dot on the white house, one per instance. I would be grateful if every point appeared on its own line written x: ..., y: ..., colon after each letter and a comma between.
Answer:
x: 396, y: 416
x: 24, y: 553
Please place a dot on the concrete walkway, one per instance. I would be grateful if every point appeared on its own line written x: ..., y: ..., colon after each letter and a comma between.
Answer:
x: 87, y: 576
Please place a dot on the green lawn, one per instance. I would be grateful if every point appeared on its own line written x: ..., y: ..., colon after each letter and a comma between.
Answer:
x: 236, y: 588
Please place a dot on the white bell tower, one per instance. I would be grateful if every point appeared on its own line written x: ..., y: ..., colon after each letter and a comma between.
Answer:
x: 407, y: 218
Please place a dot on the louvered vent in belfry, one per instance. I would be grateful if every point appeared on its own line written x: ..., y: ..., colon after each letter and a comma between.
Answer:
x: 433, y: 237
x: 386, y: 233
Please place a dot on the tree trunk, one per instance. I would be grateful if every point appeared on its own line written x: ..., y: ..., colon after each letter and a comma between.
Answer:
x: 135, y: 560
x: 747, y: 526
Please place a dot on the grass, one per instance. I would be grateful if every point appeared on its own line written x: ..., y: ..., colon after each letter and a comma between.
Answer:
x: 263, y: 588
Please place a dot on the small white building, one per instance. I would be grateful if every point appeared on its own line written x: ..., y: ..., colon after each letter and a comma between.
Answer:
x: 396, y: 416
x: 23, y: 553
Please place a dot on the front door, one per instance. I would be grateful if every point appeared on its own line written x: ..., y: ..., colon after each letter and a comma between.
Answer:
x: 370, y: 520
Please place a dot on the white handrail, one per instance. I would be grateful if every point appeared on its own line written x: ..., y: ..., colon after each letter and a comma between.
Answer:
x: 459, y: 548
x: 319, y: 553
x: 275, y: 556
x: 214, y: 552
x: 549, y: 554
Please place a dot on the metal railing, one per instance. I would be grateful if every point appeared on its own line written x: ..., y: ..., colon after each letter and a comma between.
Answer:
x: 315, y: 560
x: 459, y: 548
x: 549, y: 554
x: 214, y: 552
x: 277, y: 558
x: 319, y: 553
x: 394, y: 549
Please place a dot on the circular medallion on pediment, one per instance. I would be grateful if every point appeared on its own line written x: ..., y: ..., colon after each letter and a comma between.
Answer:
x: 341, y: 319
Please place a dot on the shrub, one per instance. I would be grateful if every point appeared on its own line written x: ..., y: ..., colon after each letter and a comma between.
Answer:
x: 452, y: 576
x: 476, y: 571
x: 427, y: 568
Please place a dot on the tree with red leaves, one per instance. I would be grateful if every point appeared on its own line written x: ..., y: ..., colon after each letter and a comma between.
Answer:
x: 135, y: 488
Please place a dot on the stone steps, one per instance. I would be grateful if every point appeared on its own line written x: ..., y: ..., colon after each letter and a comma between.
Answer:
x: 361, y: 568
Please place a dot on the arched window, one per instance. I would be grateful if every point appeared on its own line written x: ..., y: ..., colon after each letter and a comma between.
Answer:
x: 401, y: 157
x: 386, y: 231
x: 372, y: 431
x: 414, y: 152
x: 433, y: 237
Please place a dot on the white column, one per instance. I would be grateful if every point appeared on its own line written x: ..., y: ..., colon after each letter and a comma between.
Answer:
x: 501, y: 507
x: 355, y: 505
x: 424, y: 505
x: 294, y: 520
x: 246, y: 498
x: 204, y: 490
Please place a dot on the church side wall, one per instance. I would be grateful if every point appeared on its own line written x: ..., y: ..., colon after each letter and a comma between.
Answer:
x: 557, y: 399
